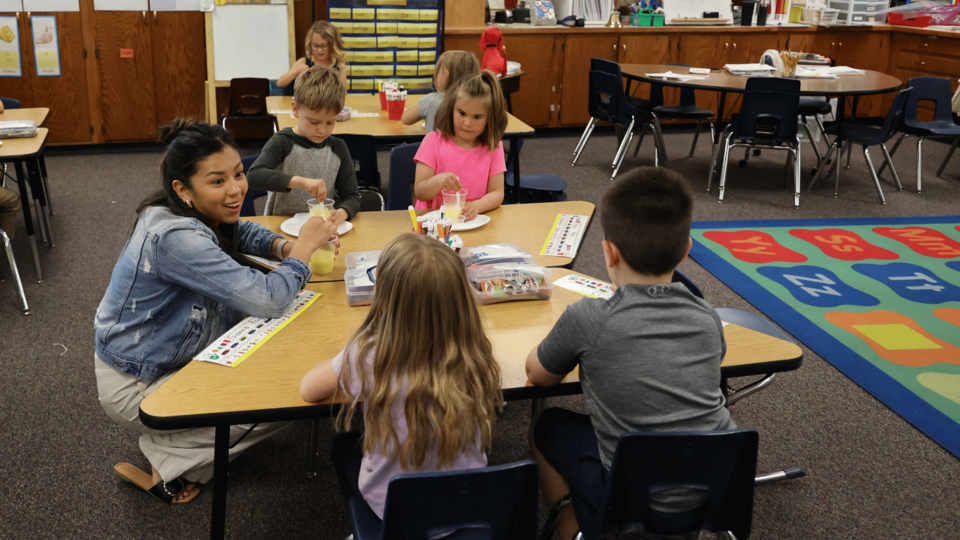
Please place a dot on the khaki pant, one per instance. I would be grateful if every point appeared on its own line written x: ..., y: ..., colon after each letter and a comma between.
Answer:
x: 9, y: 206
x: 188, y: 452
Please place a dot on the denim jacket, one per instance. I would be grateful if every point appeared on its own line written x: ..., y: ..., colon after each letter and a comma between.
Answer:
x: 173, y: 291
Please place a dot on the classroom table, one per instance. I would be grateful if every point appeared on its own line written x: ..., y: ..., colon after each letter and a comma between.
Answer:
x: 526, y: 225
x: 25, y: 153
x: 37, y: 114
x: 265, y: 387
x: 384, y: 129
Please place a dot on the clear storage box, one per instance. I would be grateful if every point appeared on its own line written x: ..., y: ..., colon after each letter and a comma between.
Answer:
x: 494, y: 253
x: 860, y: 11
x: 359, y: 277
x: 508, y: 281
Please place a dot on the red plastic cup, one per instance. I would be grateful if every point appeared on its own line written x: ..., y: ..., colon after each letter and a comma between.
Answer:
x: 396, y: 109
x: 383, y: 100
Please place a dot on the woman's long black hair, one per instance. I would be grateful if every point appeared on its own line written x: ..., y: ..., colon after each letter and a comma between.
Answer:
x: 189, y: 143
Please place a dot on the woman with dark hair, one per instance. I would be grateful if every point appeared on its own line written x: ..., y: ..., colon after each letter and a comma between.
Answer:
x: 177, y: 287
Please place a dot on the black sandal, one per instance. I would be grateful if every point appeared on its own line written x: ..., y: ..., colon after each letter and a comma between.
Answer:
x: 167, y: 492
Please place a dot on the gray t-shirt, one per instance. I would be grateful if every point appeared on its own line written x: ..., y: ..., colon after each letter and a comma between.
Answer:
x: 428, y: 106
x: 649, y: 360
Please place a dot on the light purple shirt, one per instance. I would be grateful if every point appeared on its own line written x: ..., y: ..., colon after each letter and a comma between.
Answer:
x: 376, y: 470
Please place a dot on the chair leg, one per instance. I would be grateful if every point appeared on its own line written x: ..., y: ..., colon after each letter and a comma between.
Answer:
x: 623, y: 145
x: 583, y: 140
x: 713, y: 133
x: 956, y: 142
x: 746, y: 156
x: 849, y: 155
x: 554, y: 518
x: 823, y: 171
x: 723, y: 167
x: 873, y: 174
x: 894, y: 151
x: 919, y: 162
x: 46, y: 187
x: 658, y: 131
x: 696, y: 135
x: 627, y: 139
x: 889, y: 161
x: 643, y: 132
x: 716, y: 156
x: 816, y: 147
x: 836, y: 183
x: 16, y: 274
x: 312, y: 448
x: 797, y: 164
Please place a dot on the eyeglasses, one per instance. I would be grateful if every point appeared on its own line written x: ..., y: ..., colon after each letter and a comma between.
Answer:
x: 323, y: 47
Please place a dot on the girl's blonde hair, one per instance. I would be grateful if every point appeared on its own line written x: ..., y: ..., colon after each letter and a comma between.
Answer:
x: 331, y: 35
x: 424, y: 330
x: 459, y: 66
x: 486, y: 88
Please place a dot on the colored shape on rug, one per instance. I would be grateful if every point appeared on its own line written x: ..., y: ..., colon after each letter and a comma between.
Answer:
x: 878, y: 298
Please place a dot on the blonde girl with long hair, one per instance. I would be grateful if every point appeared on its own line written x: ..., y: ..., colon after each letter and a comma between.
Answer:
x: 452, y: 68
x: 322, y: 46
x: 423, y: 368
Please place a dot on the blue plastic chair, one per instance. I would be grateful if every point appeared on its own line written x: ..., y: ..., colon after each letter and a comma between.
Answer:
x: 767, y: 120
x: 937, y: 90
x: 10, y: 103
x: 717, y: 466
x: 247, y: 208
x: 686, y: 110
x: 866, y: 135
x: 535, y: 187
x: 363, y: 151
x: 607, y: 102
x: 403, y: 172
x: 492, y: 503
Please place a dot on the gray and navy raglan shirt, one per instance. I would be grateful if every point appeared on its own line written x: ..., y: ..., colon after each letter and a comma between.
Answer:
x: 286, y: 155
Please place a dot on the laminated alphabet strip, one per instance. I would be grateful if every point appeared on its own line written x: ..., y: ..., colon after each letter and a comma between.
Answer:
x: 565, y: 236
x: 587, y: 286
x: 249, y: 334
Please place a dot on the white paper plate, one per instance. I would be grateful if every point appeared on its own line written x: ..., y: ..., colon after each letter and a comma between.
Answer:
x: 292, y: 225
x: 475, y: 223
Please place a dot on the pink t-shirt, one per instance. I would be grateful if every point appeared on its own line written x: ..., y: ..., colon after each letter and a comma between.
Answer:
x: 375, y: 469
x: 473, y: 167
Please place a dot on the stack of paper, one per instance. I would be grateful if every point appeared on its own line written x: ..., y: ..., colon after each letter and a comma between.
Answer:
x: 671, y: 76
x: 512, y: 67
x: 843, y: 70
x: 813, y: 73
x: 752, y: 70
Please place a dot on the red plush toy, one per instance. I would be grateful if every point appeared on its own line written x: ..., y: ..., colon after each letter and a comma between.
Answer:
x: 494, y: 58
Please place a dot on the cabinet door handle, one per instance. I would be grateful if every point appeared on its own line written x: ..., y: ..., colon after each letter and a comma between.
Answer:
x: 624, y: 48
x: 839, y: 45
x: 923, y: 63
x: 734, y: 46
x: 725, y: 45
x: 833, y: 45
x: 154, y: 16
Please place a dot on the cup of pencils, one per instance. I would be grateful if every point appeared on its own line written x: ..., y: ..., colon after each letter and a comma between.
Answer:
x: 790, y: 61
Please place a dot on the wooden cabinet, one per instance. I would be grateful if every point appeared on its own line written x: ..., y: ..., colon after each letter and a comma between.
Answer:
x: 917, y: 56
x: 577, y: 52
x: 125, y: 60
x: 863, y: 50
x: 658, y: 49
x: 179, y: 64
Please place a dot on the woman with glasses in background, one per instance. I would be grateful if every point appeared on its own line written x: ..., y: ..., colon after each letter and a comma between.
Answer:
x: 323, y: 46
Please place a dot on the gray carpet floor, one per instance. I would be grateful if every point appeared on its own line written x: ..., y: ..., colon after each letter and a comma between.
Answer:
x: 871, y: 474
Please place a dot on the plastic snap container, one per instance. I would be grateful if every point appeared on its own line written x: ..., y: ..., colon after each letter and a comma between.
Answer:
x: 360, y: 277
x: 509, y: 281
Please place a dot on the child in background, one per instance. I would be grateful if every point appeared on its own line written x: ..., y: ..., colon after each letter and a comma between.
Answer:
x: 323, y: 47
x: 451, y: 69
x: 300, y: 163
x: 465, y: 152
x: 423, y: 368
x: 649, y: 357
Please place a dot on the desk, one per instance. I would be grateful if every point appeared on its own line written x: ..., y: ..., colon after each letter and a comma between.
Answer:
x: 381, y: 127
x: 27, y: 152
x: 526, y: 225
x: 266, y: 386
x: 37, y: 114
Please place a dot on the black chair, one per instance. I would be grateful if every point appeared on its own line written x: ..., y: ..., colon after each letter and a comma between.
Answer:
x: 535, y: 187
x: 937, y: 90
x: 247, y: 208
x: 10, y: 103
x: 686, y: 110
x: 767, y: 120
x: 247, y: 115
x: 717, y: 469
x: 494, y: 503
x: 866, y: 136
x: 363, y: 151
x: 607, y: 102
x: 403, y: 172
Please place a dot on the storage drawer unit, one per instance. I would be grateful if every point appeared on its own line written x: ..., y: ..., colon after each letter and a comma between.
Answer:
x: 860, y: 11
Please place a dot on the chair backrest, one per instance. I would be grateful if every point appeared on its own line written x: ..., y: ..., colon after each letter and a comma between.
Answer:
x: 688, y: 95
x: 606, y: 66
x: 363, y: 151
x: 248, y: 97
x: 10, y: 103
x: 895, y: 115
x: 769, y: 110
x: 247, y: 208
x: 403, y: 172
x: 606, y: 98
x: 498, y: 502
x: 936, y: 89
x: 680, y: 277
x: 717, y: 469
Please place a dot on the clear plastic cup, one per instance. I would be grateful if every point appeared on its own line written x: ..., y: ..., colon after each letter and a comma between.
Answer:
x: 323, y: 209
x: 321, y: 262
x: 453, y: 202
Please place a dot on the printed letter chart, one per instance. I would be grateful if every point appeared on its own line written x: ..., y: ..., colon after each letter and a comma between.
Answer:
x: 565, y: 236
x: 587, y: 286
x: 248, y: 335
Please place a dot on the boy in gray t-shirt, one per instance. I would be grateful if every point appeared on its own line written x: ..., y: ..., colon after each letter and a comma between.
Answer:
x: 649, y: 357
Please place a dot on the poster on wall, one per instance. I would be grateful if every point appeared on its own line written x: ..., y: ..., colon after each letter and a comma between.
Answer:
x: 9, y: 48
x: 50, y: 5
x: 175, y: 5
x: 12, y: 6
x: 121, y: 5
x: 46, y: 46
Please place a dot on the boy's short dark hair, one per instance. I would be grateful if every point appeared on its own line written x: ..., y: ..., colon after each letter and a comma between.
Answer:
x: 647, y: 215
x: 319, y: 89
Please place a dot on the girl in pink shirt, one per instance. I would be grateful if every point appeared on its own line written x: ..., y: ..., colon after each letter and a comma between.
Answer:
x: 424, y: 369
x: 465, y: 151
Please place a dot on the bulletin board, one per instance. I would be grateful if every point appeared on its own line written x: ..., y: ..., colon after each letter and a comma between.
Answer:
x: 398, y: 40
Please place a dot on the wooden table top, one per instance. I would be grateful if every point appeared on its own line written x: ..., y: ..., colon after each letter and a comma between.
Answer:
x: 23, y: 147
x: 37, y: 114
x: 266, y: 385
x: 526, y: 225
x: 872, y: 82
x: 378, y: 126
